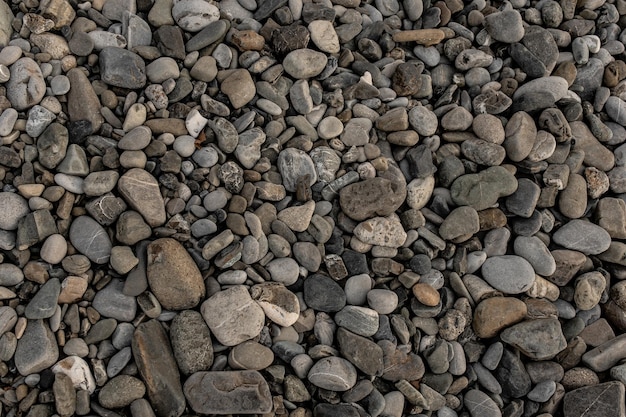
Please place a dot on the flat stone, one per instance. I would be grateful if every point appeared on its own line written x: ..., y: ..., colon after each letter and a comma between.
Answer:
x: 509, y: 273
x: 44, y: 302
x: 538, y: 339
x: 460, y: 224
x: 89, y: 238
x: 361, y: 352
x: 228, y: 392
x: 36, y: 349
x: 333, y: 373
x: 360, y: 320
x: 505, y: 26
x: 536, y: 253
x: 482, y: 190
x: 497, y: 313
x: 233, y: 316
x: 122, y: 68
x: 83, y: 103
x: 141, y: 191
x: 596, y: 154
x: 158, y: 369
x: 173, y: 276
x: 606, y: 399
x: 480, y: 404
x: 323, y: 294
x: 250, y: 355
x: 399, y: 365
x: 583, y: 236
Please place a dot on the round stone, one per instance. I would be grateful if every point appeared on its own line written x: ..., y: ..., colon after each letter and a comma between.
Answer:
x: 508, y: 273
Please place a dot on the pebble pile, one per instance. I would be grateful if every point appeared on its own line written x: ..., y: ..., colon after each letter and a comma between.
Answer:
x: 313, y: 208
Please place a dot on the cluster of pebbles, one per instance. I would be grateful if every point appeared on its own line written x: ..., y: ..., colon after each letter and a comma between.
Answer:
x: 313, y: 208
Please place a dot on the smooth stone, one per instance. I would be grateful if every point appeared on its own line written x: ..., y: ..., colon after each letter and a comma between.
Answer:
x: 157, y: 367
x: 239, y: 88
x: 228, y: 392
x: 279, y: 304
x: 36, y: 349
x: 616, y: 109
x: 12, y: 208
x: 483, y: 190
x: 250, y: 356
x: 505, y: 26
x: 294, y: 164
x: 583, y: 236
x: 509, y: 273
x: 539, y: 339
x: 460, y: 224
x: 606, y: 399
x: 10, y: 275
x: 54, y: 249
x: 194, y: 15
x: 90, y: 239
x: 356, y: 289
x: 536, y: 253
x: 121, y: 391
x: 122, y: 68
x: 173, y: 276
x: 283, y: 270
x: 589, y: 290
x: 361, y: 352
x: 595, y: 153
x: 540, y: 93
x: 605, y: 356
x: 333, y: 373
x: 304, y: 63
x: 191, y: 342
x: 112, y: 302
x: 480, y: 404
x: 26, y: 86
x: 83, y: 102
x: 44, y: 302
x: 323, y: 294
x: 239, y: 319
x: 360, y: 320
x: 497, y: 313
x: 398, y: 364
x: 141, y: 191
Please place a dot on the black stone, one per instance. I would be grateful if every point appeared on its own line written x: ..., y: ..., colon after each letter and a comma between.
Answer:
x: 527, y: 227
x: 420, y: 160
x: 323, y: 294
x: 384, y: 329
x: 169, y: 40
x: 512, y: 375
x: 356, y: 263
x: 314, y: 11
x: 79, y: 130
x: 420, y: 264
x: 361, y: 352
x: 268, y: 7
x: 606, y: 400
x: 338, y: 410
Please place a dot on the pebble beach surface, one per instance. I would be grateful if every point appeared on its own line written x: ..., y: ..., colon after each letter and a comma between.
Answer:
x: 313, y: 208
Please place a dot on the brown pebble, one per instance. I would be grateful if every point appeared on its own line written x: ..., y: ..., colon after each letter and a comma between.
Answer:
x: 426, y: 37
x: 426, y: 294
x: 248, y: 40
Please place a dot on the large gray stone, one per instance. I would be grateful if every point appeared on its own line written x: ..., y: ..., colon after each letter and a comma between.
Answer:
x: 228, y: 392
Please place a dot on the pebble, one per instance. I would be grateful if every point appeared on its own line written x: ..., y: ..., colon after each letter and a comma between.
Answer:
x: 333, y: 373
x: 167, y: 258
x: 508, y: 273
x: 244, y: 322
x: 205, y: 201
